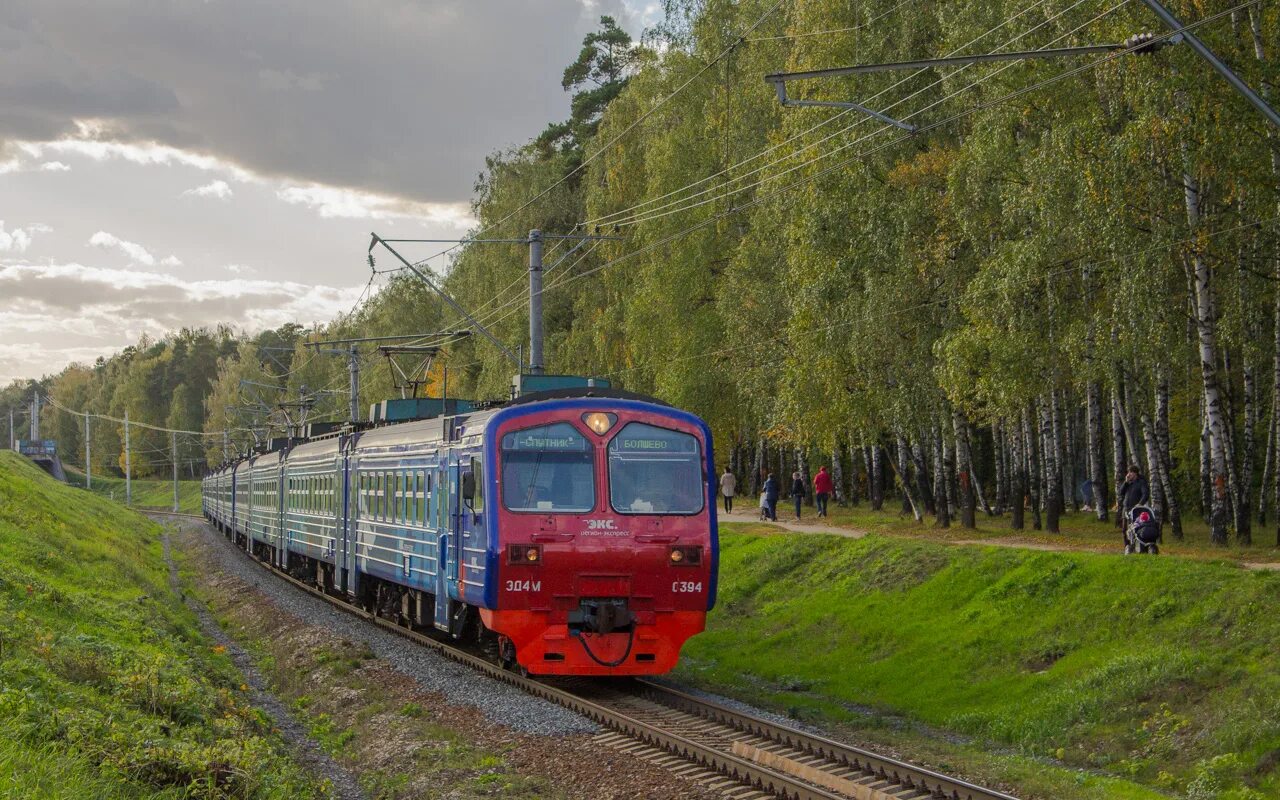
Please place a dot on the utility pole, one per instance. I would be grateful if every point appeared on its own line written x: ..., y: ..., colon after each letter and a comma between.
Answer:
x: 226, y: 446
x: 128, y: 472
x: 88, y: 470
x: 535, y: 302
x: 173, y: 448
x: 35, y: 416
x: 353, y: 366
x: 13, y: 445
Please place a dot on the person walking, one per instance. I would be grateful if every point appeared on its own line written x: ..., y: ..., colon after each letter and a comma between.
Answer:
x: 797, y: 491
x: 1134, y: 492
x: 771, y: 496
x: 822, y: 489
x: 728, y: 486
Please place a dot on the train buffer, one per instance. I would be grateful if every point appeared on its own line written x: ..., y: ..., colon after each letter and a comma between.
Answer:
x: 45, y: 453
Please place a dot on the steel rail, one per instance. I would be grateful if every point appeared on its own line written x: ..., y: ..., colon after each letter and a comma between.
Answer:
x: 901, y: 775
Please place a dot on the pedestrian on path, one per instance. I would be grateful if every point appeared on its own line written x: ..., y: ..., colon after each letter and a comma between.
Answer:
x: 822, y: 489
x: 797, y: 491
x: 771, y: 496
x: 728, y: 485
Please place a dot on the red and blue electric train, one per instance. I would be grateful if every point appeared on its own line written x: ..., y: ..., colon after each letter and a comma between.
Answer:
x: 568, y: 535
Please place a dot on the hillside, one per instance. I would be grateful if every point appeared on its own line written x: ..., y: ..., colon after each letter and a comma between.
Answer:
x: 146, y: 493
x: 1021, y: 666
x: 107, y: 689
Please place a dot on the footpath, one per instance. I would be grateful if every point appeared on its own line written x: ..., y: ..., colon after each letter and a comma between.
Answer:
x: 814, y: 524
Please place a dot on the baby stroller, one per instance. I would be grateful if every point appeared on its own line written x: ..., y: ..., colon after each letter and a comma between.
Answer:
x: 1142, y: 534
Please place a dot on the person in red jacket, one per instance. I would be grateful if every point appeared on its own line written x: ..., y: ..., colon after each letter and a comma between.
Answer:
x: 822, y: 488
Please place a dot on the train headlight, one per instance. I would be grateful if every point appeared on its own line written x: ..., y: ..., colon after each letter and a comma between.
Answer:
x: 686, y: 556
x: 600, y: 421
x: 524, y: 554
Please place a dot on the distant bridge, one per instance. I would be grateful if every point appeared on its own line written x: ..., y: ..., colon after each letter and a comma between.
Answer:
x: 45, y: 453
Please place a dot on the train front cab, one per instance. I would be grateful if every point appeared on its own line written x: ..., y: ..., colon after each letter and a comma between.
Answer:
x: 605, y: 531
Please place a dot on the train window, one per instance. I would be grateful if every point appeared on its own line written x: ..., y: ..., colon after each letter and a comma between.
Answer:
x: 655, y: 470
x: 477, y: 474
x: 402, y: 490
x: 548, y: 468
x: 420, y: 499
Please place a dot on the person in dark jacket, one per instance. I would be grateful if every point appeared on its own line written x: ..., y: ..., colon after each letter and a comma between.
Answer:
x: 771, y: 496
x: 797, y: 491
x: 822, y: 489
x: 1133, y: 492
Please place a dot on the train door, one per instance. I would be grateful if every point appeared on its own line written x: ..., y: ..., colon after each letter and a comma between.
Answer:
x: 350, y: 507
x: 444, y: 543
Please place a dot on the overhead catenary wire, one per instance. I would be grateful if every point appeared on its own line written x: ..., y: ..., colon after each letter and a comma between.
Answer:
x: 724, y: 190
x: 590, y: 159
x: 924, y: 129
x: 608, y: 219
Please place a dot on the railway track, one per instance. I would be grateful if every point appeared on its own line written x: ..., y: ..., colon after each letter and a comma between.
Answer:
x: 739, y: 754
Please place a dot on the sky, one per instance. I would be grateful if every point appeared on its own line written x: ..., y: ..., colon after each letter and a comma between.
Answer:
x: 171, y: 163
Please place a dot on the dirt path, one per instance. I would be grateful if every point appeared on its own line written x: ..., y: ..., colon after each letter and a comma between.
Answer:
x: 813, y: 524
x: 307, y: 750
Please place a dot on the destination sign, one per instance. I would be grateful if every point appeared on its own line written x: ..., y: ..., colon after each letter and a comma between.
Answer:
x: 559, y: 437
x: 640, y: 438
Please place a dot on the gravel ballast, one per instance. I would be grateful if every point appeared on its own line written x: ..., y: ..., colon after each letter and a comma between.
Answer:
x: 500, y: 703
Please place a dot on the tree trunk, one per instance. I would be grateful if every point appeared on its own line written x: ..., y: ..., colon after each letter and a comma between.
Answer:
x: 964, y: 471
x: 1097, y: 461
x: 1206, y: 478
x: 1033, y: 469
x: 1165, y: 457
x: 942, y: 515
x: 914, y: 504
x: 1154, y: 471
x: 1052, y: 471
x: 837, y: 476
x: 1205, y: 316
x: 802, y: 466
x: 1017, y: 478
x: 923, y: 487
x: 998, y: 451
x: 1119, y: 455
x: 877, y: 478
x: 1244, y: 489
x: 759, y: 466
x: 1266, y: 469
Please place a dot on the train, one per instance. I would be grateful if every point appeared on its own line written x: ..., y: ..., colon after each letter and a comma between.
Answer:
x: 566, y: 532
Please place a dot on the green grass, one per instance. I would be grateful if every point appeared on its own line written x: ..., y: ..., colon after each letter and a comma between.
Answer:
x: 1087, y: 675
x: 1079, y: 530
x: 107, y: 688
x: 146, y: 493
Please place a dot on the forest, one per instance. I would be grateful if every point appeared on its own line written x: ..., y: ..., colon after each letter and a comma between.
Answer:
x: 1070, y: 266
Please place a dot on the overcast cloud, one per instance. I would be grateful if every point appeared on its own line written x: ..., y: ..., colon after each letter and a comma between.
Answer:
x: 203, y: 162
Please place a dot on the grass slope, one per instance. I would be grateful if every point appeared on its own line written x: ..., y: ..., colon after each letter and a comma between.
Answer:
x: 146, y: 493
x: 1161, y: 672
x: 107, y: 689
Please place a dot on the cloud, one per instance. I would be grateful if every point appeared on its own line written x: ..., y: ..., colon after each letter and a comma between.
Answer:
x: 241, y: 269
x: 399, y: 98
x: 330, y: 202
x: 135, y: 252
x: 105, y: 300
x: 19, y: 239
x: 54, y: 166
x: 219, y: 190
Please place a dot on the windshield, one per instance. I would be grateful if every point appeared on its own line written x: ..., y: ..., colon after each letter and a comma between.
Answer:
x: 548, y: 468
x: 655, y: 471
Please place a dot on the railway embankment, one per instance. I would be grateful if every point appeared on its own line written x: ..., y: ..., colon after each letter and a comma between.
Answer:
x: 108, y: 689
x: 410, y: 722
x: 1065, y: 674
